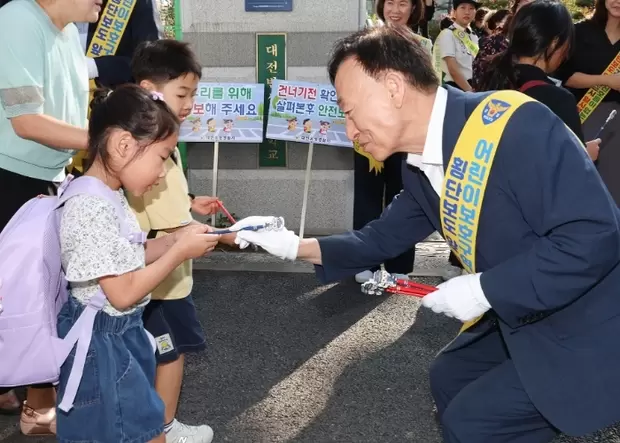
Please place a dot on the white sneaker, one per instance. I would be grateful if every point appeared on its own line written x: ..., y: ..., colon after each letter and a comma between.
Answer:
x: 363, y: 277
x: 182, y: 433
x: 450, y: 272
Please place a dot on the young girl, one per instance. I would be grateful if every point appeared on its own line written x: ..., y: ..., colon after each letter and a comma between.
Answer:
x: 131, y: 134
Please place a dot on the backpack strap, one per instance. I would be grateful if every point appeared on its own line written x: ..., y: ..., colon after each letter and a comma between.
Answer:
x: 90, y: 185
x: 528, y: 85
x: 81, y: 333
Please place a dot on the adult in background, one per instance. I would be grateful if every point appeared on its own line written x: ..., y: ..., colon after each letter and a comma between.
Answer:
x: 43, y: 107
x: 457, y: 46
x: 539, y: 353
x: 479, y: 25
x: 377, y: 183
x: 492, y: 44
x: 541, y: 36
x: 429, y: 13
x: 587, y: 76
x: 111, y: 70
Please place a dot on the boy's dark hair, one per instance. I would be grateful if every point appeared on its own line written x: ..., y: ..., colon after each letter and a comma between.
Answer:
x: 386, y: 48
x: 161, y: 61
x: 130, y: 108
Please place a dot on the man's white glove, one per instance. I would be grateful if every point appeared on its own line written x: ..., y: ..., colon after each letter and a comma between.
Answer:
x: 282, y: 243
x: 460, y: 297
x: 254, y: 220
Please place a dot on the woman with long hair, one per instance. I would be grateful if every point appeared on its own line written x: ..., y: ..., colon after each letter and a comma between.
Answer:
x: 591, y: 74
x: 541, y: 37
x: 491, y: 44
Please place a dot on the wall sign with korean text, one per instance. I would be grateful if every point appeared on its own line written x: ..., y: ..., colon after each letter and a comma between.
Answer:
x: 270, y: 65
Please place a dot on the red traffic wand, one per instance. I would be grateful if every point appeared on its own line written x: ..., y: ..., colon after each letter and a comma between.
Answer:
x: 383, y: 282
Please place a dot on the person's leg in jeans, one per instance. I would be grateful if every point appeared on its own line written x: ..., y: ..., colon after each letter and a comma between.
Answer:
x: 403, y: 264
x: 40, y: 400
x: 369, y: 190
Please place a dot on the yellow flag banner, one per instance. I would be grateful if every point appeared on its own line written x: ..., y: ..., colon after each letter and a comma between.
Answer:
x: 108, y: 34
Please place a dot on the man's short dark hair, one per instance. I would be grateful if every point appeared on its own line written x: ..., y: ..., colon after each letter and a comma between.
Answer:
x: 386, y: 48
x: 161, y: 61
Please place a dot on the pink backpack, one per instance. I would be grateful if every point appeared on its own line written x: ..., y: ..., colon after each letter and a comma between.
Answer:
x: 33, y: 289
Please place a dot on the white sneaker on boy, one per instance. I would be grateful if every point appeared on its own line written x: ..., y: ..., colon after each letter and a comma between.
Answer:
x: 178, y: 432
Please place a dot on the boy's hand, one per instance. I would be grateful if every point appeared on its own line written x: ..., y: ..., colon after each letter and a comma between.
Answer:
x: 205, y: 205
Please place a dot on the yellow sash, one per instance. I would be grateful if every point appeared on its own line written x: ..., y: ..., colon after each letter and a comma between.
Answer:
x: 437, y: 57
x: 108, y: 34
x: 468, y: 171
x: 595, y: 95
x: 372, y: 163
x: 425, y: 43
x: 463, y: 37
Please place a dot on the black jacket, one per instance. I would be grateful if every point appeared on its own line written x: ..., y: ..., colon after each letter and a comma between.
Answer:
x: 144, y: 25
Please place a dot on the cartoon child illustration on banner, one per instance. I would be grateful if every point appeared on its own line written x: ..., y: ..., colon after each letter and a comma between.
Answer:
x: 211, y: 125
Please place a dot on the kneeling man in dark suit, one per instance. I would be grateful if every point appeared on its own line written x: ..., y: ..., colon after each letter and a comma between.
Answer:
x: 520, y: 202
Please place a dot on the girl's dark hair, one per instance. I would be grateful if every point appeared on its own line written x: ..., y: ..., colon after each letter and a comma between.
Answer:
x: 538, y: 30
x: 417, y: 12
x: 129, y: 108
x: 497, y: 18
x: 600, y: 14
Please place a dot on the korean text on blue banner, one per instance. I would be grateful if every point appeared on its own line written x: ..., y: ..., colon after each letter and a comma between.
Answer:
x: 226, y: 113
x: 307, y: 113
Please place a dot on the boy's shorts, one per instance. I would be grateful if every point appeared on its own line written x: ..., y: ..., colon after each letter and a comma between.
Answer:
x: 175, y: 326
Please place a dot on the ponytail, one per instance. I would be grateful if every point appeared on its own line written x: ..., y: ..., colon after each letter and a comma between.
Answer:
x: 499, y: 73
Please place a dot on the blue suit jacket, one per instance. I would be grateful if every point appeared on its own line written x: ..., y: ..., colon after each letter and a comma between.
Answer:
x: 548, y: 247
x: 143, y: 25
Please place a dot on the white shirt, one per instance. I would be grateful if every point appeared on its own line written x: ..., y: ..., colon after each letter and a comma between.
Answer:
x: 431, y: 160
x: 450, y: 46
x: 431, y: 163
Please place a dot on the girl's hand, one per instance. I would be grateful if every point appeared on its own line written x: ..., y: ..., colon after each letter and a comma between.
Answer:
x: 205, y: 205
x: 195, y: 241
